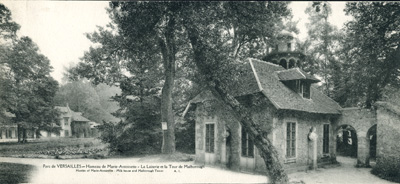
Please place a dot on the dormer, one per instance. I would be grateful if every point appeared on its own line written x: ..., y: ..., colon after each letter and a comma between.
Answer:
x: 298, y: 81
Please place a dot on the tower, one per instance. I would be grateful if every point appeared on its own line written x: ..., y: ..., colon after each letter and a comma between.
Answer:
x: 285, y: 52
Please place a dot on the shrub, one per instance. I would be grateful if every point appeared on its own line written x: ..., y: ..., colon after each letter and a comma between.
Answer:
x: 387, y: 168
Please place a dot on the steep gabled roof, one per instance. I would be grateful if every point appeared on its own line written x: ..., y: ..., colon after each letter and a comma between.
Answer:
x: 77, y: 116
x: 284, y: 98
x: 263, y: 77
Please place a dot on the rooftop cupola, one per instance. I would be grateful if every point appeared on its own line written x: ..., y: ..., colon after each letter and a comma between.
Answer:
x: 285, y: 52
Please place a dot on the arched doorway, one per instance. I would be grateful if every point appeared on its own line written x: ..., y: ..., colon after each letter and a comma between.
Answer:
x: 283, y: 63
x: 292, y: 63
x: 346, y: 141
x: 371, y: 135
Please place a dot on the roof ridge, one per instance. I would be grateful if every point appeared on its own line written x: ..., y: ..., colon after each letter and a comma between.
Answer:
x: 298, y: 69
x: 265, y: 62
x: 255, y: 75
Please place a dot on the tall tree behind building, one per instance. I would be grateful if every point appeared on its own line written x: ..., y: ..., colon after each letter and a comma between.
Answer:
x: 321, y: 43
x: 370, y: 52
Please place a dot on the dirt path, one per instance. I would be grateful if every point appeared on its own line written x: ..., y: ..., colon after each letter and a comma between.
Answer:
x: 346, y: 173
x: 170, y: 175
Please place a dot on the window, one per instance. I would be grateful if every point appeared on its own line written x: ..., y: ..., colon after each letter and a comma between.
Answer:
x: 291, y: 140
x: 247, y: 145
x: 210, y: 138
x: 66, y: 121
x: 306, y: 90
x: 301, y: 87
x: 66, y: 133
x: 289, y: 46
x: 325, y: 144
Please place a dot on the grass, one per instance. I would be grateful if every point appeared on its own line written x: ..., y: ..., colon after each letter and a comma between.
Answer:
x: 49, y: 147
x: 15, y: 173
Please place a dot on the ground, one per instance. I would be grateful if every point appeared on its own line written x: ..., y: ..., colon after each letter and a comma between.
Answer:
x: 53, y: 148
x: 345, y: 173
x: 15, y: 173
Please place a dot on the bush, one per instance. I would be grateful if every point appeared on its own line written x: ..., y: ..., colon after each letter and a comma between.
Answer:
x: 388, y: 168
x: 132, y: 139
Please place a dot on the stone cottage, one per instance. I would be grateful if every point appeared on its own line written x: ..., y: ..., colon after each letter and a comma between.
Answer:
x: 285, y: 104
x: 282, y: 101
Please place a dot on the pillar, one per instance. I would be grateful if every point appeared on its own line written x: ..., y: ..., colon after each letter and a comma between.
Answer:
x: 363, y: 151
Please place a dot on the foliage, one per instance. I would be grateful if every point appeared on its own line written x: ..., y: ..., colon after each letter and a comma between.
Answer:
x: 370, y: 53
x: 321, y: 44
x: 145, y: 33
x: 387, y: 168
x: 8, y: 28
x: 27, y: 89
x: 94, y: 102
x: 30, y: 88
x: 52, y: 147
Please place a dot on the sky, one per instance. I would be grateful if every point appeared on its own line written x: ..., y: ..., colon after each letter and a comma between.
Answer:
x: 59, y: 27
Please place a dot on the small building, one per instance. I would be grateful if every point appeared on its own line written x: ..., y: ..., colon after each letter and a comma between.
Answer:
x: 8, y: 129
x: 71, y: 124
x: 282, y: 101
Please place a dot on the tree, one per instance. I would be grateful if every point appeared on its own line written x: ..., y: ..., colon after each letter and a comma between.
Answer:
x: 8, y: 29
x: 370, y: 51
x: 219, y: 33
x: 81, y: 96
x: 30, y: 88
x: 322, y: 42
x: 207, y: 56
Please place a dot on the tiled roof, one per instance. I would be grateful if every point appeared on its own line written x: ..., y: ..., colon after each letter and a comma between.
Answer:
x: 76, y: 116
x: 295, y: 74
x: 264, y: 75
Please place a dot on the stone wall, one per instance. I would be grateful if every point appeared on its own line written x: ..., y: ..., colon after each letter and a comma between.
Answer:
x: 388, y: 136
x: 272, y: 122
x: 361, y: 120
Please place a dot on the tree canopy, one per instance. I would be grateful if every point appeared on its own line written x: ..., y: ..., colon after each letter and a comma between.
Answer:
x: 27, y: 88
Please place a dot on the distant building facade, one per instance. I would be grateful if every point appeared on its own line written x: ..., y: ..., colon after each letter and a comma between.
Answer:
x: 72, y: 124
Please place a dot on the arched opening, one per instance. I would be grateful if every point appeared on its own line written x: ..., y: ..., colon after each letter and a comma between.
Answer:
x: 346, y: 141
x: 283, y: 63
x: 371, y: 135
x: 292, y: 63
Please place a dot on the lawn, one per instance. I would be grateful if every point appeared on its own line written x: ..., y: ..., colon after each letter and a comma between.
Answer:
x: 53, y: 148
x: 15, y: 173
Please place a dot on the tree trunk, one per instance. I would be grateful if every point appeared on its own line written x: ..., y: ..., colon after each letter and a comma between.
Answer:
x: 19, y: 133
x: 267, y: 150
x: 168, y: 51
x: 24, y: 136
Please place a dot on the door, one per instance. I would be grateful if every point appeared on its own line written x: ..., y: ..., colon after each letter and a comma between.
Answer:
x: 210, y: 143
